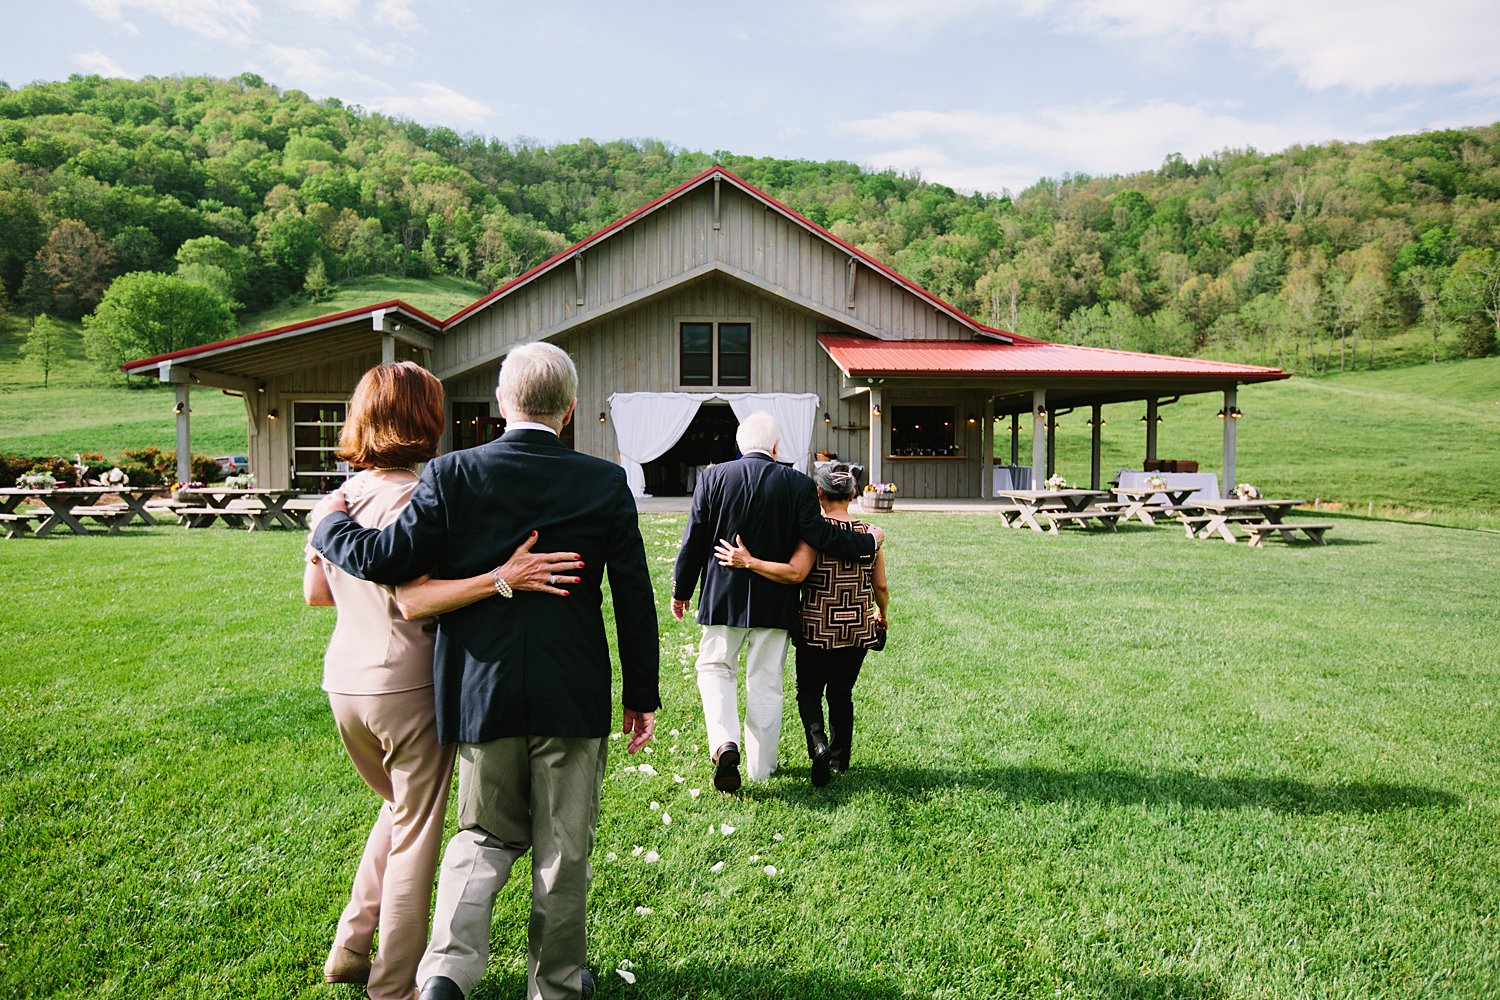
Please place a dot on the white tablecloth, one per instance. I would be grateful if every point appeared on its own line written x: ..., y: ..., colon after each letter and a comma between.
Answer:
x: 1011, y: 477
x: 1205, y: 484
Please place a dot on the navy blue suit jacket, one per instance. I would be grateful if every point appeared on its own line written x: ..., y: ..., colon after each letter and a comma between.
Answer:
x: 770, y: 506
x: 535, y: 664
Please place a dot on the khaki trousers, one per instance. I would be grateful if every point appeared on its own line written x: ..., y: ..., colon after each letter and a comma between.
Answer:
x: 718, y: 667
x: 539, y: 793
x: 392, y: 740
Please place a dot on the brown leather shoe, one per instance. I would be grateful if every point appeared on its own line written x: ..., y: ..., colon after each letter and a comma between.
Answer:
x: 727, y: 768
x: 345, y: 966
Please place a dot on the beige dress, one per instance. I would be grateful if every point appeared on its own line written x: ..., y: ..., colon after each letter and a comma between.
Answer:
x: 378, y: 675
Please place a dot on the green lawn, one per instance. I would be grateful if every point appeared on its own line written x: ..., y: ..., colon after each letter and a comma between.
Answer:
x: 1127, y: 766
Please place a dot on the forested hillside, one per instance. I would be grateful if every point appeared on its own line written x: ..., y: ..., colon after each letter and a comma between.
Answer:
x: 122, y: 202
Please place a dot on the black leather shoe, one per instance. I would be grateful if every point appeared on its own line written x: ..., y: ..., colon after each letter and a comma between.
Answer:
x: 586, y: 984
x: 727, y: 768
x: 442, y: 988
x: 822, y: 758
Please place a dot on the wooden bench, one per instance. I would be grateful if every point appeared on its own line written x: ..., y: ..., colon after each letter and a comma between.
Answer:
x: 1194, y: 523
x: 1106, y: 518
x: 111, y: 515
x: 1288, y: 530
x: 18, y: 524
x: 204, y: 517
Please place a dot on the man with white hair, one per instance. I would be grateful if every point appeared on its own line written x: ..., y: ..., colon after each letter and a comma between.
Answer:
x: 770, y: 507
x: 522, y: 679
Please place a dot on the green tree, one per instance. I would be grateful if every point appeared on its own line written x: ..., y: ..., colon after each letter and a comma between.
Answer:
x: 43, y: 346
x: 1425, y: 281
x: 316, y: 284
x: 145, y: 314
x: 1472, y: 293
x: 71, y: 270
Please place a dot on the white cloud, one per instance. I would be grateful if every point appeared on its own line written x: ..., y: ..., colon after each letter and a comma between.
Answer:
x: 396, y: 14
x: 311, y: 68
x: 326, y: 11
x: 220, y: 20
x: 95, y: 61
x: 978, y: 150
x: 1361, y: 45
x: 435, y: 104
x: 388, y: 54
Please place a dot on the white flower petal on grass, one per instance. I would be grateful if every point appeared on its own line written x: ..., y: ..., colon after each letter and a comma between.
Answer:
x: 629, y: 769
x: 718, y: 866
x: 678, y: 778
x: 777, y: 837
x: 655, y: 806
x: 626, y: 975
x: 644, y: 911
x: 647, y: 769
x: 770, y: 869
x: 666, y: 819
x: 725, y: 829
x: 674, y: 733
x: 651, y: 858
x: 611, y: 856
x: 695, y: 792
x: 754, y: 858
x: 672, y: 748
x: 637, y: 851
x: 650, y: 750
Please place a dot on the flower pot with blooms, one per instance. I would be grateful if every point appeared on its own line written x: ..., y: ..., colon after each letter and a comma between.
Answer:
x: 880, y: 496
x: 36, y: 481
x: 1056, y: 483
x: 1245, y: 491
x: 1156, y: 483
x: 245, y: 482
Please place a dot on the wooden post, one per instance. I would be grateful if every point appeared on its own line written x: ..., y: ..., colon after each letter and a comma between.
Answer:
x: 1038, y: 438
x: 387, y: 349
x: 184, y: 437
x: 1094, y: 450
x: 1230, y: 422
x: 987, y: 456
x: 1015, y: 439
x: 1051, y: 442
x: 872, y: 468
x: 1151, y: 418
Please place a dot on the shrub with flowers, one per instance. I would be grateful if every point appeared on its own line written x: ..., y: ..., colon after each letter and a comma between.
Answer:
x: 880, y: 488
x: 1056, y: 483
x: 1246, y: 492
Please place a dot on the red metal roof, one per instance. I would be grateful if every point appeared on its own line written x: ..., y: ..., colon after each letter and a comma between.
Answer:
x: 863, y: 356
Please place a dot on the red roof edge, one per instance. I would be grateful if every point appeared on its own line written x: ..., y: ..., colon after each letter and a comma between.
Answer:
x: 246, y: 338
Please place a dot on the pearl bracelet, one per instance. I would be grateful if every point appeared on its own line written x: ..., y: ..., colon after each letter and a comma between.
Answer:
x: 501, y: 587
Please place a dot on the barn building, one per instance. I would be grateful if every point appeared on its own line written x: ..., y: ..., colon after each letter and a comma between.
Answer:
x: 709, y: 302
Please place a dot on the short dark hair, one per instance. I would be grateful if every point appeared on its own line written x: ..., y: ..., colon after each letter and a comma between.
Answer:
x: 395, y: 417
x: 836, y: 480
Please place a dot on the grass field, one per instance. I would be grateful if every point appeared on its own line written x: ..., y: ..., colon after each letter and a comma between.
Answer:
x: 1127, y: 766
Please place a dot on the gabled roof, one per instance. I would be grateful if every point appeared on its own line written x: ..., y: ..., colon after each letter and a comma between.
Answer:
x: 865, y: 357
x: 411, y: 313
x: 717, y: 172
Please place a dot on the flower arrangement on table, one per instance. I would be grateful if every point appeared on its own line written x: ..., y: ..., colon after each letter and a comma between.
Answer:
x: 1156, y: 483
x: 115, y: 477
x: 1245, y: 491
x: 1056, y: 483
x: 244, y: 482
x: 193, y: 485
x: 36, y: 481
x: 880, y: 488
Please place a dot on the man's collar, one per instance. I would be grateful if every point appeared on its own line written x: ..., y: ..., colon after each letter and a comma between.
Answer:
x: 527, y: 425
x: 760, y: 451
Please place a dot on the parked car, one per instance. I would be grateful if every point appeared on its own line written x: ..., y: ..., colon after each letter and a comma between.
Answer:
x: 233, y: 464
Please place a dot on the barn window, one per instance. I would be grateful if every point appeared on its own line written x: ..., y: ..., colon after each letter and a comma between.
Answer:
x: 924, y: 430
x: 315, y: 439
x: 714, y: 353
x: 473, y: 425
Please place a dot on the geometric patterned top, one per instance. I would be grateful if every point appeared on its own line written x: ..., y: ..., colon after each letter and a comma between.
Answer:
x: 838, y: 602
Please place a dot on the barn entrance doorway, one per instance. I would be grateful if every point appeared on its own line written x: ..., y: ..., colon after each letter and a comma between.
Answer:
x: 708, y: 440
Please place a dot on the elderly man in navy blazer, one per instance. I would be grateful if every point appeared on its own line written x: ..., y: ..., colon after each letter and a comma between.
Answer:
x: 522, y: 679
x: 771, y: 507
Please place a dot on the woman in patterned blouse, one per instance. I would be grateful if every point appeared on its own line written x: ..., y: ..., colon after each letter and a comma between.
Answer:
x: 842, y: 605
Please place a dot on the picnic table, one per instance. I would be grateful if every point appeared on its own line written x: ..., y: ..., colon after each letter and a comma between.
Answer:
x: 72, y: 505
x: 1031, y: 507
x: 1258, y: 517
x: 257, y: 509
x: 1140, y: 502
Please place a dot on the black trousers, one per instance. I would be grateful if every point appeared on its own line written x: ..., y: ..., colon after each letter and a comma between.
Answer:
x: 831, y: 672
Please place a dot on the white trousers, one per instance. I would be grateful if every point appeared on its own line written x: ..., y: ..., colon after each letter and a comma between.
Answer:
x: 718, y: 662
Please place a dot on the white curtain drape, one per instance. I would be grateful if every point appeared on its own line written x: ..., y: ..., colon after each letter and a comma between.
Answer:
x: 648, y: 424
x: 794, y: 413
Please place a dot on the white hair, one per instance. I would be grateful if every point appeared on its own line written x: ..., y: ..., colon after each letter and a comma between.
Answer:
x: 757, y: 432
x: 538, y: 380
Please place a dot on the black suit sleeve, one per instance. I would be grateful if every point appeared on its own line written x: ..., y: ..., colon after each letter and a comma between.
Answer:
x: 635, y: 606
x: 817, y: 532
x: 406, y: 548
x: 696, y: 545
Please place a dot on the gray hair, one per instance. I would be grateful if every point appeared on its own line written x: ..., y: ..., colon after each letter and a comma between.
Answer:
x: 538, y: 380
x: 757, y: 432
x: 836, y: 481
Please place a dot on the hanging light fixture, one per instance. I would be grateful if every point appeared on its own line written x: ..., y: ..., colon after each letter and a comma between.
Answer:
x: 1041, y: 412
x: 272, y: 415
x: 877, y: 409
x: 973, y: 420
x: 601, y: 417
x: 1234, y: 412
x: 178, y: 408
x: 1222, y: 414
x: 826, y: 418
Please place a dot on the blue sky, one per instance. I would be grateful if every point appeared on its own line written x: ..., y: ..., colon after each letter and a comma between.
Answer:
x: 978, y: 94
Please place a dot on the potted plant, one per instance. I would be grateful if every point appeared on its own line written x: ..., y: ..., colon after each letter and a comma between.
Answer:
x: 880, y: 496
x: 1056, y: 483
